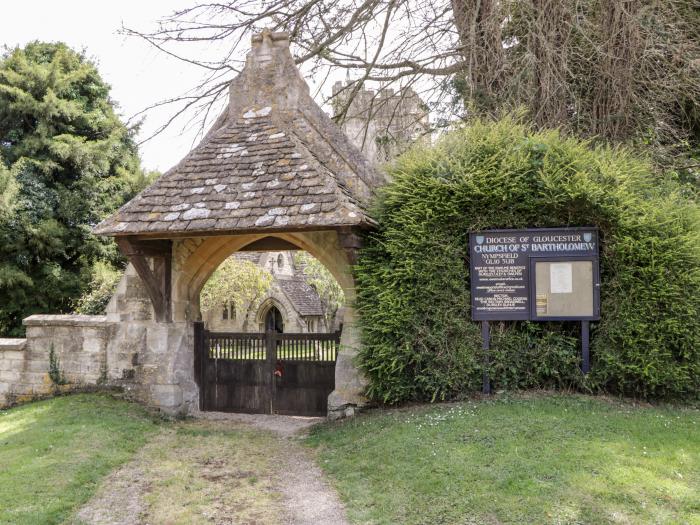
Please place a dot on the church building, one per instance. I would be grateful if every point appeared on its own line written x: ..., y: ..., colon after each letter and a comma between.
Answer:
x: 290, y: 305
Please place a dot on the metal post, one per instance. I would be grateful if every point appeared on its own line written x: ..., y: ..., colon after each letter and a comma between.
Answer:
x: 485, y: 345
x: 585, y: 354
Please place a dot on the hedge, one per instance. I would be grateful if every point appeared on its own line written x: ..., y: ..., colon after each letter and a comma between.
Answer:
x: 413, y: 273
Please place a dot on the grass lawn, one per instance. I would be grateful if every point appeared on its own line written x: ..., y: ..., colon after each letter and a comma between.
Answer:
x: 53, y: 453
x: 58, y: 454
x: 531, y: 459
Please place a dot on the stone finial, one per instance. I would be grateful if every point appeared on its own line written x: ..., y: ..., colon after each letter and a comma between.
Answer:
x: 264, y: 46
x: 278, y: 39
x: 270, y: 79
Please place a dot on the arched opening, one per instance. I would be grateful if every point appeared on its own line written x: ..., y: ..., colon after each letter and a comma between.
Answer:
x: 274, y: 321
x: 252, y: 280
x: 196, y: 262
x: 286, y: 326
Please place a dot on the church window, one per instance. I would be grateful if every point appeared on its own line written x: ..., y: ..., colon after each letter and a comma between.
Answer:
x: 224, y: 314
x: 280, y: 261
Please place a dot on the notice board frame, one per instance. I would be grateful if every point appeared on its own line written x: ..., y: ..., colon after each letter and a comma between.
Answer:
x: 527, y: 314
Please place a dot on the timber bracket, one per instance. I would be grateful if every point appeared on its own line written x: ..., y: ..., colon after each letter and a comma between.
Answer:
x: 152, y: 260
x: 351, y: 242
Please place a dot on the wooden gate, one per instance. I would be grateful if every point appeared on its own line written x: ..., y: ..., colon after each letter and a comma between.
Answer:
x: 265, y: 373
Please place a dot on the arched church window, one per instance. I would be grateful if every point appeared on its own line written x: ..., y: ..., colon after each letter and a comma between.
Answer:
x: 232, y: 311
x: 224, y: 314
x: 280, y: 261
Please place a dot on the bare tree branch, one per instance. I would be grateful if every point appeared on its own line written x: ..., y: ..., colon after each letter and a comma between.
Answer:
x: 623, y: 70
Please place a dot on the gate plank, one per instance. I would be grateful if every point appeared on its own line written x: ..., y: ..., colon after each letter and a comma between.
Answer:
x: 235, y: 371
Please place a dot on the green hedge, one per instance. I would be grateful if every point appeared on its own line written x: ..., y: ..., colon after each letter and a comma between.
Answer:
x: 413, y: 274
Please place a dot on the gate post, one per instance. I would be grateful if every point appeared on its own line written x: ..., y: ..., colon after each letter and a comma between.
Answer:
x: 270, y: 358
x: 199, y: 360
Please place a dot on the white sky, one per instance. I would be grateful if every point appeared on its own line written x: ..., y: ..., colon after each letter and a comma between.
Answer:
x: 139, y: 74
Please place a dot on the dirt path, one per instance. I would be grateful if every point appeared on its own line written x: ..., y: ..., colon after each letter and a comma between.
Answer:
x: 307, y: 495
x: 222, y: 469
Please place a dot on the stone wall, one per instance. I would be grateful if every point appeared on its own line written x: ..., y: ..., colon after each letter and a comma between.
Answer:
x: 384, y: 123
x: 251, y: 318
x: 152, y: 362
x: 79, y: 343
x: 12, y: 353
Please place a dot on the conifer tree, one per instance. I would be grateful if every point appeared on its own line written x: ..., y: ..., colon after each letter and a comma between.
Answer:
x: 66, y: 161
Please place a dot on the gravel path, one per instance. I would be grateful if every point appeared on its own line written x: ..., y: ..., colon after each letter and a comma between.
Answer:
x: 296, y: 483
x: 284, y: 426
x: 119, y: 500
x: 309, y: 498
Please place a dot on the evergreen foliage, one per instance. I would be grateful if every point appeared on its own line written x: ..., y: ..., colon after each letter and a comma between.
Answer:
x: 67, y: 161
x: 103, y: 283
x: 413, y: 274
x: 55, y: 372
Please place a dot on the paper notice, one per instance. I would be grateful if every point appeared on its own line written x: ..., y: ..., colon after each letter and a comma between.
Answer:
x: 560, y: 278
x: 541, y: 303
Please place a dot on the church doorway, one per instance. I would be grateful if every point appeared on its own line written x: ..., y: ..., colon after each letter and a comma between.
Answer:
x: 274, y: 321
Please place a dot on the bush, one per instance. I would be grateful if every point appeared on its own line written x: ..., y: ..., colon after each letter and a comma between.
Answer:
x: 103, y: 283
x: 413, y: 274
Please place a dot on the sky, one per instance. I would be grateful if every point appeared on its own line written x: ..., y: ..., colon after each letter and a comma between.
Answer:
x: 139, y: 74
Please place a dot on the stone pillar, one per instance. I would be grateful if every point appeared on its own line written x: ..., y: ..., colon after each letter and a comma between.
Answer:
x: 152, y: 361
x: 350, y: 384
x: 12, y: 358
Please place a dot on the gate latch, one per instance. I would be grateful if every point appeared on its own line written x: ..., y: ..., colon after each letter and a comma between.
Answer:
x: 278, y: 369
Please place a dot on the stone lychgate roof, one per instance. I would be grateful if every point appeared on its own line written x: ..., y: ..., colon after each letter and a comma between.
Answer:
x: 272, y: 162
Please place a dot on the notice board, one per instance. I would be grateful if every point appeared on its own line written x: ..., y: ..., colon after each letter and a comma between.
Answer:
x: 543, y: 274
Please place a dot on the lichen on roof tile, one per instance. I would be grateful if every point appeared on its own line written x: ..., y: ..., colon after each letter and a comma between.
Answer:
x: 272, y: 162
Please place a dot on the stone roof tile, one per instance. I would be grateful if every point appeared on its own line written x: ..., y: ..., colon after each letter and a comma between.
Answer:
x: 303, y: 295
x: 273, y: 162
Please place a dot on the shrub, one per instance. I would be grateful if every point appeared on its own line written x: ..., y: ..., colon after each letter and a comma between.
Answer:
x: 103, y: 283
x: 55, y: 372
x: 413, y: 273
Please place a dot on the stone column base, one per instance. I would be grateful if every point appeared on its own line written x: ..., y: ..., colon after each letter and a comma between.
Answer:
x: 168, y: 398
x: 343, y: 404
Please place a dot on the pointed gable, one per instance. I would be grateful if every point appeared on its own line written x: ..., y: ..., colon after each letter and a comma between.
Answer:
x: 273, y: 161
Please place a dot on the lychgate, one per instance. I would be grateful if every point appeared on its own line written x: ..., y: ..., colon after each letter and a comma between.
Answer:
x: 273, y: 173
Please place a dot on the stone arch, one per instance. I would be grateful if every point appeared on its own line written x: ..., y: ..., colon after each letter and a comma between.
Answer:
x: 274, y: 320
x: 269, y: 303
x: 196, y: 261
x: 196, y: 267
